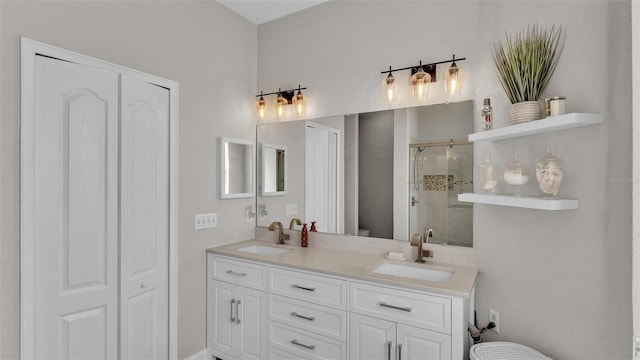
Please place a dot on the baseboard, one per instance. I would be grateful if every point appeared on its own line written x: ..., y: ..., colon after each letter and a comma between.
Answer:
x: 200, y: 355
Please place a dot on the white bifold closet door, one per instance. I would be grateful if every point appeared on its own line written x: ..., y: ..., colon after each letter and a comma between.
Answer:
x: 321, y: 182
x: 101, y: 214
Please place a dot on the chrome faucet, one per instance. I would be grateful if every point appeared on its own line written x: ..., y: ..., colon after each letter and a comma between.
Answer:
x: 293, y: 222
x: 282, y: 237
x: 428, y: 234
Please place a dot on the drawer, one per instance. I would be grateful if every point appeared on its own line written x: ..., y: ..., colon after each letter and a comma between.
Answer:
x: 319, y: 319
x: 308, y: 287
x: 412, y: 308
x: 238, y: 272
x: 304, y: 343
x: 277, y: 354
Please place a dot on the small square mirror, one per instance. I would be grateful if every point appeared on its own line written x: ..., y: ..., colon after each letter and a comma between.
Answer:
x: 236, y: 168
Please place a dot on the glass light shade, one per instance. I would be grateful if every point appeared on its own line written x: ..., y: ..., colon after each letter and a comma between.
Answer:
x: 453, y: 79
x: 420, y: 84
x: 390, y: 89
x: 261, y: 108
x: 280, y: 107
x: 299, y: 103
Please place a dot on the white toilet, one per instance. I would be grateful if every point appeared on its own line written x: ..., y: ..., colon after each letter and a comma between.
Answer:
x: 500, y: 350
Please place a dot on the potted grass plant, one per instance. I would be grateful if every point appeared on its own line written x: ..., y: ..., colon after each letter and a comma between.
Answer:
x: 525, y: 62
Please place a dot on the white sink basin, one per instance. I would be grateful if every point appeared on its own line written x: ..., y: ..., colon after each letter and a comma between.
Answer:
x: 413, y: 272
x: 264, y: 250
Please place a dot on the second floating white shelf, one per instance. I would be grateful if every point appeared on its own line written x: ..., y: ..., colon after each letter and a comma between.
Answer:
x: 540, y: 203
x: 555, y: 123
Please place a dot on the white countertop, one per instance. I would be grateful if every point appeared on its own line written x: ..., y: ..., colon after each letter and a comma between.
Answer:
x: 355, y: 265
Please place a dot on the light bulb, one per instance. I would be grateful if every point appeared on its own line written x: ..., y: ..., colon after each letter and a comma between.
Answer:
x: 419, y: 84
x: 453, y: 78
x: 261, y: 108
x: 280, y: 106
x: 299, y: 103
x: 390, y: 89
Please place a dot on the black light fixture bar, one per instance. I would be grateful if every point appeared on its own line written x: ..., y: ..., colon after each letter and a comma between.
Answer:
x: 283, y: 92
x: 425, y: 66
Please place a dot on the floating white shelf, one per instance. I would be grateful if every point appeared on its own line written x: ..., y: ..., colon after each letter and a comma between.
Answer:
x: 555, y: 123
x: 540, y: 203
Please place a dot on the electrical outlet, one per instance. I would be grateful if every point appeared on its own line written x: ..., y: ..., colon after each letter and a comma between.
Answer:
x: 495, y: 317
x: 291, y: 209
x: 206, y: 221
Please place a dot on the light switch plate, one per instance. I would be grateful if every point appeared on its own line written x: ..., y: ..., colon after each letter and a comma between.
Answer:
x: 206, y: 221
x: 291, y: 209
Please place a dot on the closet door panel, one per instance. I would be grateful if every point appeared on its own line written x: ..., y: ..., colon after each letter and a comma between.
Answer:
x: 144, y: 138
x: 75, y: 240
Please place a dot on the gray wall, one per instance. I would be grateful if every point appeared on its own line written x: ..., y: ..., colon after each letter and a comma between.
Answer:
x: 211, y: 52
x: 375, y: 174
x: 560, y: 280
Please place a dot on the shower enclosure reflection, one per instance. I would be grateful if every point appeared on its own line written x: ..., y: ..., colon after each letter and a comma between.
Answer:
x: 439, y: 172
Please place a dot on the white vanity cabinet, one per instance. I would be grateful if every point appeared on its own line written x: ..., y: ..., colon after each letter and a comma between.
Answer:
x: 394, y: 324
x: 236, y: 309
x: 307, y: 315
x: 268, y: 310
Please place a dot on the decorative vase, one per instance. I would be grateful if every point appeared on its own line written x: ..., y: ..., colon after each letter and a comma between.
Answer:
x: 524, y: 111
x: 516, y: 173
x: 549, y: 173
x: 488, y: 176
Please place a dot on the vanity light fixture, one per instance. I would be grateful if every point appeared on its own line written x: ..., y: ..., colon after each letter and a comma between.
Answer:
x: 284, y: 98
x: 421, y: 77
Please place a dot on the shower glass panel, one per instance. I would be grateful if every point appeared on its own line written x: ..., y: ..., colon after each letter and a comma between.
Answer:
x: 437, y: 175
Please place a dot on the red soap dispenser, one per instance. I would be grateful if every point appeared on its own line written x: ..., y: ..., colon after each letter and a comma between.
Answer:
x: 304, y: 236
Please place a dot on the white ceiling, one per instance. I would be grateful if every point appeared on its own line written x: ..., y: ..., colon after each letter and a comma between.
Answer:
x: 262, y: 11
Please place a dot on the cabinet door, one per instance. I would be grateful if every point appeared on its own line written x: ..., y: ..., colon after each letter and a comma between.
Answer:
x: 250, y: 322
x: 415, y: 343
x: 372, y: 338
x: 222, y: 317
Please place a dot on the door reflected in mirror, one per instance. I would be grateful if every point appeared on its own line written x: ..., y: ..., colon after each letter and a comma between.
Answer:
x: 273, y: 162
x: 237, y: 167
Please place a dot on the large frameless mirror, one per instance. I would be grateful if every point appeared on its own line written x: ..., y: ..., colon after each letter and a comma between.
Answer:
x: 387, y: 174
x: 237, y: 166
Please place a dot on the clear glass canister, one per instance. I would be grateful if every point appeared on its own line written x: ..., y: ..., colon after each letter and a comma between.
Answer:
x: 549, y: 173
x: 517, y: 174
x: 488, y: 176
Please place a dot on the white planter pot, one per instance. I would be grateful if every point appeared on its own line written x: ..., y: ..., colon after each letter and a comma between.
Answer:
x: 524, y: 111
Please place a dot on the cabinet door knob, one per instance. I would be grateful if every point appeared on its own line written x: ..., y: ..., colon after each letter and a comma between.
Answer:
x: 233, y: 319
x: 238, y: 312
x: 143, y: 284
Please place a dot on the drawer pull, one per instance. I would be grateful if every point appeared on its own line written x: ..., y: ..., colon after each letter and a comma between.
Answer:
x: 233, y: 301
x: 399, y: 351
x: 310, y: 347
x: 303, y: 288
x: 310, y: 318
x: 384, y: 304
x: 231, y: 272
x: 389, y: 350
